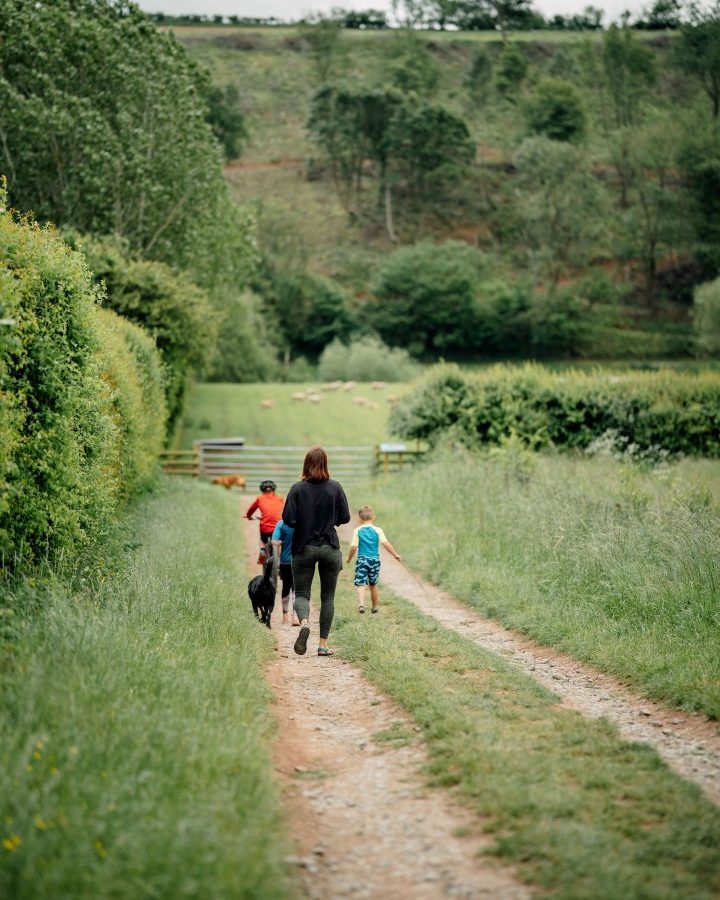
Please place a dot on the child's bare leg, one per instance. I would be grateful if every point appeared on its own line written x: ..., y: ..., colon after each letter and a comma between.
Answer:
x: 361, y: 596
x: 374, y: 595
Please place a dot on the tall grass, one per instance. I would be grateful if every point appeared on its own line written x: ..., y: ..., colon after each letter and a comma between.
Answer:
x: 613, y: 563
x: 134, y: 728
x: 577, y: 810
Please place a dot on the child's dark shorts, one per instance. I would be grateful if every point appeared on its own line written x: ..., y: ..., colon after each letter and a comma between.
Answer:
x: 367, y: 570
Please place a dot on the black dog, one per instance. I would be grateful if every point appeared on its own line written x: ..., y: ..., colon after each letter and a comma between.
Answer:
x: 262, y: 589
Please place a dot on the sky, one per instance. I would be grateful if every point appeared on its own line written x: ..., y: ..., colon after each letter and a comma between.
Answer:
x: 295, y: 9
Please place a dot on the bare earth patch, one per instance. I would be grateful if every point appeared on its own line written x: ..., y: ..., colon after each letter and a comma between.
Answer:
x: 363, y: 820
x: 689, y: 743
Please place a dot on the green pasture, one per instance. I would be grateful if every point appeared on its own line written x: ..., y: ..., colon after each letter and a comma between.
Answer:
x: 579, y: 811
x: 234, y: 410
x: 134, y: 724
x: 615, y: 563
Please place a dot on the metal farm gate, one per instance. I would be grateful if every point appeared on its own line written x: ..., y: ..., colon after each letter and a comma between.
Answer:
x: 283, y: 464
x: 232, y: 456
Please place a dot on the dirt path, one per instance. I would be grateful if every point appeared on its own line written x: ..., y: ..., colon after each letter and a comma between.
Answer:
x: 365, y: 824
x: 689, y: 743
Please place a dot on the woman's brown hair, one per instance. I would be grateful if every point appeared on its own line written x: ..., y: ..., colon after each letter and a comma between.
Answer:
x: 316, y: 465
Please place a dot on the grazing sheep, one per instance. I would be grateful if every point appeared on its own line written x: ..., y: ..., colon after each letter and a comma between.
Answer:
x: 379, y: 385
x: 359, y: 401
x: 267, y: 404
x: 392, y: 398
x: 298, y: 395
x: 314, y: 398
x: 348, y: 386
x: 371, y: 404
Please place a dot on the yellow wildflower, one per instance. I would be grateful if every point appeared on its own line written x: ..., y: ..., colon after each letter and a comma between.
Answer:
x: 40, y: 823
x: 12, y: 843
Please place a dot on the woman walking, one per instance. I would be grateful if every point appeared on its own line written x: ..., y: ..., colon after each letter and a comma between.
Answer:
x: 315, y: 505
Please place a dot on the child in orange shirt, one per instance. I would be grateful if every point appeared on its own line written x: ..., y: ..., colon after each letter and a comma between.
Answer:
x: 270, y: 505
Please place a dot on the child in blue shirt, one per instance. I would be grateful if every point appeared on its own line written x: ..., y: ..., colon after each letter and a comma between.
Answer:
x: 282, y: 542
x: 366, y: 542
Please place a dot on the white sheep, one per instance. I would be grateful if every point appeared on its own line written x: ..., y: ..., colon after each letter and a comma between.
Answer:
x: 379, y: 385
x: 348, y: 386
x: 299, y: 395
x: 359, y: 401
x: 267, y: 404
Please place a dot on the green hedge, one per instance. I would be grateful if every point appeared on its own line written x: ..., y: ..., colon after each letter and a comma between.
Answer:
x: 678, y: 412
x: 77, y: 391
x: 167, y: 304
x: 131, y: 366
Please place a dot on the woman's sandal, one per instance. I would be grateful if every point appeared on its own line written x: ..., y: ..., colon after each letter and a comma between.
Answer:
x: 325, y: 651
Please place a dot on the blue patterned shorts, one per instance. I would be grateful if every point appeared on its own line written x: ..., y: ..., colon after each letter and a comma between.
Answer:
x: 367, y: 570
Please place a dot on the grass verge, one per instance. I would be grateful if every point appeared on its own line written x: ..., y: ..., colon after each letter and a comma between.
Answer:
x: 579, y: 811
x: 134, y: 730
x: 615, y: 564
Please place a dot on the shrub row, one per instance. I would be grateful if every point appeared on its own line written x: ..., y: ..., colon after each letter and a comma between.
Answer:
x: 82, y: 412
x: 167, y: 304
x: 679, y: 412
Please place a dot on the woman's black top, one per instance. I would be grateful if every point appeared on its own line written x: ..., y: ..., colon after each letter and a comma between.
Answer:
x: 313, y: 508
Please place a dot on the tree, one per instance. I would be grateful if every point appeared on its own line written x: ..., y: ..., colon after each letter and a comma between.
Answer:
x: 557, y: 205
x: 698, y: 52
x: 322, y: 35
x: 699, y: 158
x: 419, y: 147
x: 429, y: 148
x: 226, y: 119
x: 663, y: 15
x: 496, y: 15
x: 628, y: 72
x: 556, y: 110
x: 654, y: 216
x: 479, y: 78
x: 706, y: 317
x: 424, y: 296
x: 107, y: 130
x: 511, y: 70
x: 416, y: 72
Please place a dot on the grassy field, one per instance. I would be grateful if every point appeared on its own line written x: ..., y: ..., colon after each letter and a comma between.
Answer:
x: 617, y: 565
x: 134, y: 730
x: 233, y: 410
x: 579, y: 811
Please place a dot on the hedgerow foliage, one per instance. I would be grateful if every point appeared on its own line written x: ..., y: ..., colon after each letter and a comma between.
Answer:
x: 131, y: 367
x: 168, y: 305
x: 76, y: 399
x: 678, y: 412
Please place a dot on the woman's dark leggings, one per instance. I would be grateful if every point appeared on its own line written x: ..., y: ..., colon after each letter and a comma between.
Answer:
x: 329, y: 566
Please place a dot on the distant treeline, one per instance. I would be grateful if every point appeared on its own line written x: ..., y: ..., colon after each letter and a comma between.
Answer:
x: 516, y: 15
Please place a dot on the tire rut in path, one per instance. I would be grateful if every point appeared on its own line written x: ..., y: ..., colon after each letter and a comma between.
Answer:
x: 689, y: 743
x: 363, y: 821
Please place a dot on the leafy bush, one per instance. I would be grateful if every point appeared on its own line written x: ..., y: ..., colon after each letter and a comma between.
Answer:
x: 425, y: 296
x: 243, y: 351
x: 556, y: 110
x: 61, y: 452
x: 82, y: 412
x: 366, y: 359
x: 706, y: 317
x: 675, y: 411
x: 173, y: 310
x: 511, y: 70
x: 131, y: 366
x: 310, y: 310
